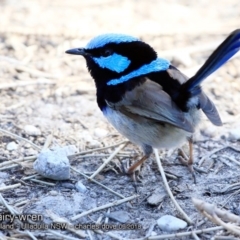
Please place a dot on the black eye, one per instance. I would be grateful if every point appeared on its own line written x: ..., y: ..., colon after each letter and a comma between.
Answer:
x: 107, y: 52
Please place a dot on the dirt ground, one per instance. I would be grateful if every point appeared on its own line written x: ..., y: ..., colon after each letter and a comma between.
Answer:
x: 42, y: 86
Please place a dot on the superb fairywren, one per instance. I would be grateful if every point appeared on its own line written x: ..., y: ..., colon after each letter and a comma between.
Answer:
x: 144, y: 97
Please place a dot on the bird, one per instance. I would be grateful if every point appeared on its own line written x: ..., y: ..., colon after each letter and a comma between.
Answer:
x: 146, y: 98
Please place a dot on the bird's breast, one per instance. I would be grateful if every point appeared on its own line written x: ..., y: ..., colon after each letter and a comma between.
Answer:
x: 142, y: 131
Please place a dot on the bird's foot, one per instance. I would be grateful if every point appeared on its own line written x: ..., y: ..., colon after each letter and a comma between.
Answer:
x: 187, y: 162
x: 134, y: 175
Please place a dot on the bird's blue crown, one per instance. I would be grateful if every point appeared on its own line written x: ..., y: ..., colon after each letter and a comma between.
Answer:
x: 104, y: 39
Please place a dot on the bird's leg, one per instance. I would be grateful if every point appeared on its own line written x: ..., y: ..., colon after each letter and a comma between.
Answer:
x: 147, y: 152
x: 134, y: 167
x: 188, y: 161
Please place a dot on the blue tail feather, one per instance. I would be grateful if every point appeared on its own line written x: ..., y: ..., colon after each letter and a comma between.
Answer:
x: 229, y: 47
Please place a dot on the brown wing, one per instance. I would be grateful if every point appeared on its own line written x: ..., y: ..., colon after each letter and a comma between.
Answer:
x: 150, y: 101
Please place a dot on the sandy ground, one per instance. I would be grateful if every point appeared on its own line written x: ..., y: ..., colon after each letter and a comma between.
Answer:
x: 43, y: 87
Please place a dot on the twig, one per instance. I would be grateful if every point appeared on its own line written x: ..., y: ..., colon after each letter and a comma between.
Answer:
x: 9, y: 167
x: 212, y: 209
x: 48, y: 142
x: 9, y: 208
x: 118, y: 202
x: 62, y: 235
x: 10, y: 187
x: 110, y: 190
x: 97, y: 149
x: 195, y: 236
x: 17, y: 160
x: 215, y: 151
x: 70, y: 226
x: 108, y: 160
x: 43, y: 182
x: 15, y: 212
x: 214, y: 214
x: 26, y: 83
x: 30, y: 177
x: 102, y: 155
x: 168, y: 189
x: 183, y: 234
x: 231, y: 159
x: 19, y: 138
x: 112, y: 235
x: 229, y: 197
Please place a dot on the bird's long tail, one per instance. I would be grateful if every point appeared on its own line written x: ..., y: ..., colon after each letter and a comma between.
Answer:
x: 229, y: 47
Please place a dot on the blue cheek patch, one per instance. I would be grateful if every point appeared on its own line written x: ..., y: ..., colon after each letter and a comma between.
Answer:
x: 159, y: 64
x: 114, y: 62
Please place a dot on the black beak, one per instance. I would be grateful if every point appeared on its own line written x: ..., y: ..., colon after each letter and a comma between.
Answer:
x: 77, y: 51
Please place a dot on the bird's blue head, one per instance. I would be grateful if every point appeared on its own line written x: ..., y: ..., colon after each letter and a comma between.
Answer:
x: 116, y: 58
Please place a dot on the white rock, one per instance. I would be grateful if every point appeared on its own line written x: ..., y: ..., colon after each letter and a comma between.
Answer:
x: 169, y: 223
x: 12, y: 146
x: 32, y: 130
x: 53, y: 164
x: 120, y: 216
x: 85, y: 135
x: 100, y: 132
x: 67, y: 150
x: 156, y: 198
x: 234, y: 134
x: 94, y: 144
x: 80, y: 187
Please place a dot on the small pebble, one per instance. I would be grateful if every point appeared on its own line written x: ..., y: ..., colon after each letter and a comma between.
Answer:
x: 153, y: 233
x: 100, y: 133
x: 94, y: 144
x: 234, y: 134
x: 32, y: 130
x: 169, y: 223
x: 53, y: 193
x: 53, y: 164
x: 120, y: 216
x: 80, y: 187
x: 156, y: 198
x: 67, y: 150
x: 12, y: 146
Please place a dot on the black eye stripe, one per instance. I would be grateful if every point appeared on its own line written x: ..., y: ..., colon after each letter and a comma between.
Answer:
x: 107, y: 52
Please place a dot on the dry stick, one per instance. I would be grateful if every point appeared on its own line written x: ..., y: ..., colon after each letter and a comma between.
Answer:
x: 230, y: 227
x: 30, y: 177
x: 17, y: 160
x: 212, y: 209
x: 15, y: 212
x: 183, y: 234
x: 10, y: 187
x: 70, y: 226
x: 229, y: 197
x: 19, y: 138
x: 118, y: 202
x: 110, y: 190
x: 168, y: 189
x: 232, y: 159
x: 214, y: 214
x: 107, y: 160
x: 209, y: 154
x: 48, y: 142
x: 26, y: 83
x: 194, y: 235
x: 98, y: 149
x: 9, y: 167
x: 112, y: 235
x: 215, y: 151
x: 61, y: 235
x: 43, y: 182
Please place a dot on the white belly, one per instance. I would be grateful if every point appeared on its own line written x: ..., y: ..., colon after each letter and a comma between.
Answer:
x: 142, y: 131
